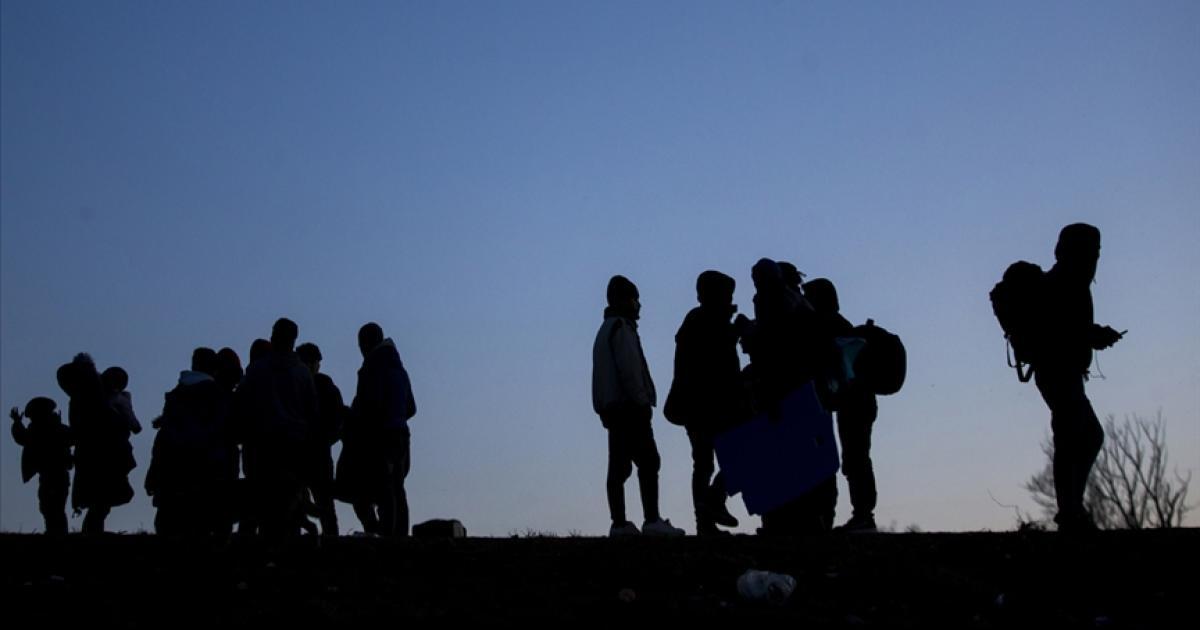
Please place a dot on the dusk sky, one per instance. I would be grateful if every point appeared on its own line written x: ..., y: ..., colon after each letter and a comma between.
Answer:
x: 470, y: 174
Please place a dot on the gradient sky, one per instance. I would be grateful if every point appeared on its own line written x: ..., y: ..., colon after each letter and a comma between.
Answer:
x: 469, y: 175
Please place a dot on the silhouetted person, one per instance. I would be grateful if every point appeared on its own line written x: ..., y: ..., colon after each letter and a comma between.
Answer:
x: 231, y: 501
x: 191, y: 458
x: 786, y: 347
x: 103, y: 455
x: 328, y: 432
x: 777, y: 338
x: 706, y: 394
x: 376, y: 445
x: 229, y: 369
x: 276, y: 406
x: 259, y: 349
x: 623, y: 396
x: 1070, y: 335
x: 115, y: 381
x: 46, y: 453
x: 856, y: 412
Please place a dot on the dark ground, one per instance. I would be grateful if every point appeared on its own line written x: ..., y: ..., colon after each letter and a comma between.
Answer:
x: 1037, y: 579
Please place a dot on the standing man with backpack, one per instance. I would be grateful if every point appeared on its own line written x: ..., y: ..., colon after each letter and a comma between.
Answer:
x: 624, y: 398
x: 1061, y: 367
x: 856, y: 413
x: 1048, y: 319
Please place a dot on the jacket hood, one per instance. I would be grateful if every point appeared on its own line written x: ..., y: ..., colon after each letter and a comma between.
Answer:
x: 383, y: 353
x: 192, y: 377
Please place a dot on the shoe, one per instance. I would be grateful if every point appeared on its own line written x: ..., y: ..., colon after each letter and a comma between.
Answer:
x: 721, y: 516
x: 622, y: 530
x: 859, y: 525
x: 661, y: 527
x: 1081, y: 523
x: 708, y: 530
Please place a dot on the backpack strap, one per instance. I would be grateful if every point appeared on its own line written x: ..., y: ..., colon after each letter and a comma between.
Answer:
x: 1023, y: 377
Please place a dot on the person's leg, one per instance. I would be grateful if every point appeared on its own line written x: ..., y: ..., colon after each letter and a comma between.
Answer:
x: 393, y: 511
x: 1077, y: 441
x: 620, y: 467
x: 645, y: 455
x: 854, y: 424
x: 93, y: 521
x: 322, y: 492
x: 366, y: 515
x: 52, y: 503
x: 702, y: 472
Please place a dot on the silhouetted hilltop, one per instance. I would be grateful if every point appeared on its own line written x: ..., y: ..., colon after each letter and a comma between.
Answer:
x: 1113, y: 580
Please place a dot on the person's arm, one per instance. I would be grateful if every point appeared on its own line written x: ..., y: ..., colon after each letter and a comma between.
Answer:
x: 627, y: 358
x: 18, y: 427
x: 1104, y: 336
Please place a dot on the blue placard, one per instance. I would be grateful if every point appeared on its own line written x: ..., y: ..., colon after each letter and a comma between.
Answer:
x: 772, y: 462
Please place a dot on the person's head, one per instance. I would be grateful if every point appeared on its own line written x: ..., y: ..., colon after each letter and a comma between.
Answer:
x: 623, y: 296
x: 229, y: 367
x: 284, y: 334
x: 822, y: 295
x: 41, y: 409
x: 790, y: 274
x: 1078, y: 250
x: 310, y: 355
x: 204, y: 360
x: 714, y: 288
x: 115, y: 379
x: 766, y: 275
x: 259, y: 348
x: 369, y: 337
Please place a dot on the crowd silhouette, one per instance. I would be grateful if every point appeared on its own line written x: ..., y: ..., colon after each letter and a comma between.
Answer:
x: 250, y: 450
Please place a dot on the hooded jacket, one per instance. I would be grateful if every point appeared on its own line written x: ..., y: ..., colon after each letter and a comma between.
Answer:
x: 706, y: 392
x: 193, y: 447
x: 620, y: 376
x: 383, y: 400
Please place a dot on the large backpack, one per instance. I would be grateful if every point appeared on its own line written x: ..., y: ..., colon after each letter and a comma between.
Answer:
x: 882, y: 363
x: 1016, y: 300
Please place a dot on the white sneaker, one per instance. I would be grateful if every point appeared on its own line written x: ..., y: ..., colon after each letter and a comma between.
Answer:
x: 661, y: 527
x: 623, y: 530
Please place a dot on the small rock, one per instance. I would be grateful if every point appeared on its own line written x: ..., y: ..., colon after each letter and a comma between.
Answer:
x: 626, y: 595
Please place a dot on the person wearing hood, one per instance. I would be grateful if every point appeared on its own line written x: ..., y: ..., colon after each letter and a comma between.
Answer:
x: 190, y: 456
x: 706, y: 394
x: 623, y: 396
x: 375, y: 457
x: 856, y: 413
x: 46, y: 453
x: 1070, y: 337
x: 103, y: 454
x: 276, y: 409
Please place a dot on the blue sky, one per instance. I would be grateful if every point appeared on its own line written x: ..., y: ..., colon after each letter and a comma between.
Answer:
x: 469, y: 175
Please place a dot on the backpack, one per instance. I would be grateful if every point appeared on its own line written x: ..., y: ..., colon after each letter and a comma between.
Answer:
x: 1015, y: 302
x: 882, y: 363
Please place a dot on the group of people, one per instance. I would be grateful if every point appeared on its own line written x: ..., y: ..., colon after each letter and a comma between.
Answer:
x: 253, y: 447
x: 247, y: 448
x: 797, y: 337
x: 791, y: 341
